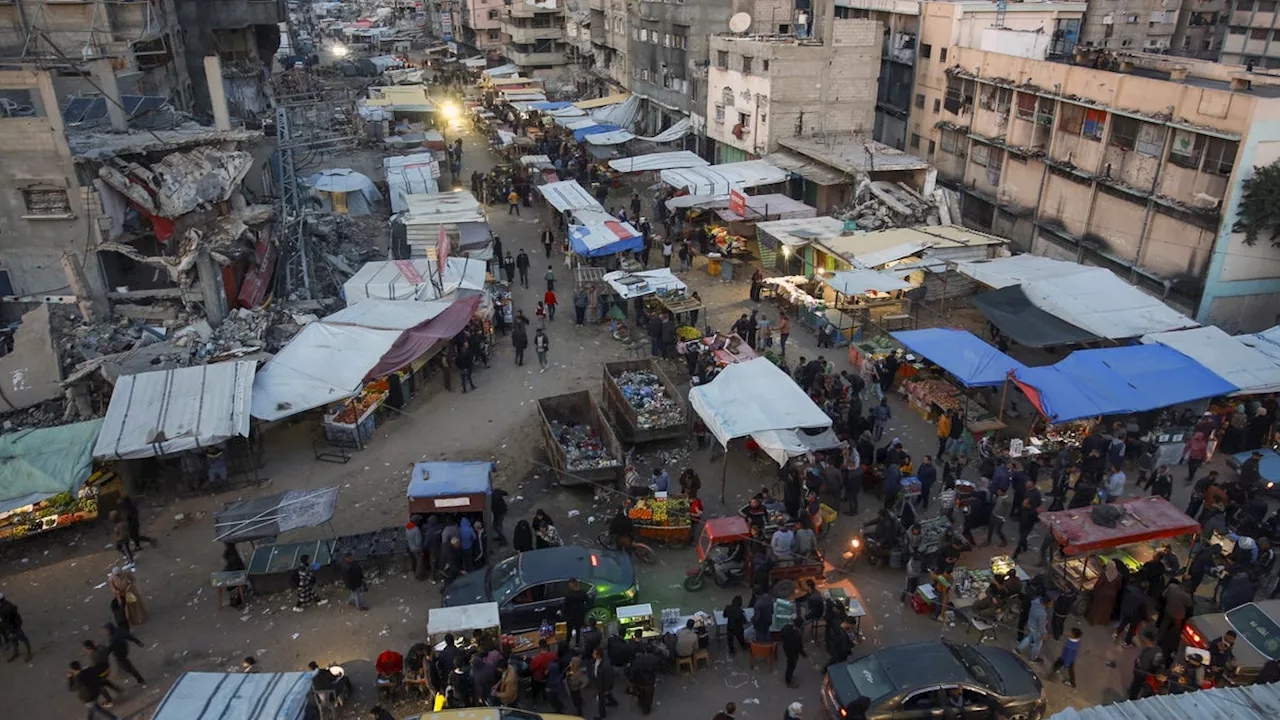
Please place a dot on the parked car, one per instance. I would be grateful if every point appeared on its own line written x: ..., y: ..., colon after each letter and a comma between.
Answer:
x: 918, y: 681
x: 1257, y: 627
x: 531, y: 586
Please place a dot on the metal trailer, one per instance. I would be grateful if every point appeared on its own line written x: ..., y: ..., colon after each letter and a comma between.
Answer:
x: 624, y: 416
x: 579, y: 408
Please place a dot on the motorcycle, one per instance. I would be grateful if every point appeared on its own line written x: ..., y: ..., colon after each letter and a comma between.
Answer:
x: 723, y: 574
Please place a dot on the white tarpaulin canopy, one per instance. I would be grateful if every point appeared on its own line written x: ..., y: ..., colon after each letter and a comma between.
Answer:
x: 411, y: 279
x: 463, y: 618
x: 652, y: 281
x: 751, y: 397
x: 860, y: 282
x: 1248, y: 368
x: 410, y: 175
x: 658, y: 161
x: 783, y: 444
x: 671, y: 134
x: 1266, y: 342
x: 720, y: 179
x: 502, y: 71
x: 1091, y: 298
x: 159, y: 413
x: 361, y: 194
x: 622, y: 114
x: 568, y: 195
x: 613, y: 137
x: 236, y: 696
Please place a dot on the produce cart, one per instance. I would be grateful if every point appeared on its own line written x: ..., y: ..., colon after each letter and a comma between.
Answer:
x: 643, y: 403
x: 351, y: 423
x: 580, y: 443
x: 663, y: 519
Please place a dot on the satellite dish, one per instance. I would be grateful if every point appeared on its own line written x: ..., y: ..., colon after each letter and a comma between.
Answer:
x: 739, y: 22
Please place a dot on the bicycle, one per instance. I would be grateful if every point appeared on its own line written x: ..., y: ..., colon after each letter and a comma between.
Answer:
x: 639, y: 550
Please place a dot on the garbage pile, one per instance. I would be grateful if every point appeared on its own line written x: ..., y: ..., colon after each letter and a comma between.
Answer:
x: 583, y: 447
x: 647, y: 395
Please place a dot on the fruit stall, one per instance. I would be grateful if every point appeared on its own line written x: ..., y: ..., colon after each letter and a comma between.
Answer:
x: 58, y: 511
x: 663, y: 518
x: 351, y: 422
x: 48, y: 479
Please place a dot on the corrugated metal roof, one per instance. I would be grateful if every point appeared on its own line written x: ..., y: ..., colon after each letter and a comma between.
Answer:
x: 806, y: 168
x: 797, y: 232
x: 448, y: 208
x: 264, y: 696
x: 1255, y: 702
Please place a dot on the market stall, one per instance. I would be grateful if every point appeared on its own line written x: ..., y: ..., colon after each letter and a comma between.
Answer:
x: 955, y: 357
x: 215, y: 696
x: 663, y: 518
x: 856, y: 295
x: 455, y: 488
x: 47, y: 479
x: 969, y: 586
x: 1083, y: 546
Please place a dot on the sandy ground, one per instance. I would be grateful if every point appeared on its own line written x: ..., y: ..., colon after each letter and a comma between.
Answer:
x: 58, y: 582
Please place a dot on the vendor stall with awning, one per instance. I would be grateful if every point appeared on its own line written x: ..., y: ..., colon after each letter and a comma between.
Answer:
x: 568, y: 195
x: 413, y: 280
x: 220, y: 696
x: 1246, y: 367
x: 47, y: 479
x: 1013, y: 313
x: 658, y: 161
x: 720, y: 179
x: 596, y: 234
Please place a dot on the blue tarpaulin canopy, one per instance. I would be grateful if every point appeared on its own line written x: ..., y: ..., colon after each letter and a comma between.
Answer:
x: 966, y: 356
x: 441, y: 479
x: 581, y: 133
x: 594, y: 234
x: 37, y: 464
x: 549, y: 105
x: 1112, y: 381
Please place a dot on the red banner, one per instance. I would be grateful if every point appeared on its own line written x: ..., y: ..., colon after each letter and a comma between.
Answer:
x: 409, y: 272
x: 737, y: 203
x: 442, y: 251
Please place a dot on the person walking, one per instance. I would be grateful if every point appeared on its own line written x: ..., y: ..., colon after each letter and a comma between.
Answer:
x: 927, y: 473
x: 792, y: 649
x: 667, y: 249
x: 784, y: 332
x: 466, y: 362
x: 736, y: 620
x: 304, y: 582
x: 88, y: 687
x: 120, y: 534
x: 522, y: 265
x: 124, y: 586
x: 548, y: 241
x: 580, y: 300
x: 541, y: 344
x: 550, y: 277
x: 577, y: 680
x: 520, y: 339
x: 603, y: 672
x: 1150, y: 660
x: 549, y: 299
x: 1037, y: 626
x: 353, y: 579
x: 1195, y: 453
x: 118, y: 639
x: 509, y: 268
x: 11, y: 628
x: 498, y: 508
x: 1067, y: 658
x: 513, y: 203
x: 944, y: 432
x: 133, y: 523
x: 1133, y: 612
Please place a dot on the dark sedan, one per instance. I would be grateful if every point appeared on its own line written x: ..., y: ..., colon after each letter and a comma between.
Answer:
x: 922, y: 681
x: 531, y: 586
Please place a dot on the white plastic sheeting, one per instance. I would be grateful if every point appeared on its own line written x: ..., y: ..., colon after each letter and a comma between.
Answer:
x: 568, y: 195
x: 1230, y: 358
x: 860, y: 282
x: 411, y: 279
x: 1091, y: 298
x: 410, y: 175
x: 622, y: 114
x: 720, y: 179
x: 221, y: 696
x: 671, y: 134
x: 507, y: 70
x: 463, y: 618
x: 754, y: 397
x: 1266, y: 342
x: 654, y: 280
x: 784, y: 444
x: 362, y: 194
x: 658, y: 161
x: 153, y: 414
x: 613, y: 137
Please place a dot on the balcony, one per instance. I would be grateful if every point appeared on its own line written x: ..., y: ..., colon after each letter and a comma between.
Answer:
x: 553, y: 57
x: 528, y: 35
x: 526, y: 10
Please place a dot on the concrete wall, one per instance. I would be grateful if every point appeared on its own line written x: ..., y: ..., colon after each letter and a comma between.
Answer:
x: 31, y: 373
x: 694, y: 21
x: 201, y: 19
x: 1200, y: 29
x: 1133, y: 25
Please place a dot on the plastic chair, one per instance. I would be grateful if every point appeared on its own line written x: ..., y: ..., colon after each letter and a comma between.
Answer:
x: 764, y: 651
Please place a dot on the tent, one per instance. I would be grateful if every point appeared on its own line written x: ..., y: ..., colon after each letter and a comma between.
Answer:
x: 661, y: 279
x: 345, y: 191
x: 1010, y: 310
x: 153, y: 414
x: 411, y: 279
x: 406, y: 175
x: 1111, y: 381
x: 238, y: 696
x: 594, y: 234
x: 42, y: 462
x: 658, y: 161
x: 751, y: 397
x: 581, y: 133
x: 784, y: 444
x: 273, y: 515
x: 861, y: 282
x: 1145, y: 519
x: 1248, y: 368
x: 463, y: 618
x: 568, y: 195
x: 966, y: 356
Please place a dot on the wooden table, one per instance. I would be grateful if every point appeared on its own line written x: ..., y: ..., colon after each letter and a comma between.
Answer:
x: 235, y: 581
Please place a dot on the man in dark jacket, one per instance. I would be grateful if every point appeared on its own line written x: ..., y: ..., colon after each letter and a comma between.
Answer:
x: 763, y: 618
x: 927, y: 473
x: 839, y: 646
x: 522, y: 266
x: 576, y: 604
x: 87, y: 685
x: 792, y: 649
x: 1133, y: 612
x: 644, y: 673
x: 736, y: 620
x: 1149, y: 660
x: 353, y: 578
x: 11, y: 628
x: 466, y: 362
x: 118, y: 640
x: 498, y: 506
x: 603, y: 674
x: 134, y: 523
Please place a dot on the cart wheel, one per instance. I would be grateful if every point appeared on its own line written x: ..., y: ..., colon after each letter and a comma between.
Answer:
x: 606, y: 541
x: 642, y: 552
x: 784, y: 589
x: 695, y: 583
x: 601, y: 615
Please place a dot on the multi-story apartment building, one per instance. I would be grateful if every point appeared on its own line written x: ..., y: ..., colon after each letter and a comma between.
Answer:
x: 1202, y: 25
x: 610, y: 38
x: 482, y: 26
x: 1139, y: 171
x: 1252, y: 34
x: 761, y: 88
x: 534, y: 34
x: 1131, y: 25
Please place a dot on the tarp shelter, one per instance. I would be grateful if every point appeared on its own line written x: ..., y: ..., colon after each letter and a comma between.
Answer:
x: 720, y: 179
x: 1266, y: 342
x: 861, y: 282
x: 651, y: 281
x: 602, y: 102
x: 1251, y: 702
x: 1120, y: 380
x: 1091, y: 298
x: 595, y: 234
x: 551, y: 105
x: 345, y: 191
x: 463, y: 618
x: 568, y: 195
x: 763, y: 207
x: 37, y: 464
x: 611, y: 137
x: 331, y: 358
x: 411, y: 279
x: 751, y: 397
x: 507, y: 70
x: 966, y: 356
x: 236, y: 696
x: 449, y: 487
x: 1249, y: 369
x: 784, y: 444
x: 621, y: 115
x: 1145, y: 519
x: 658, y: 161
x: 580, y: 134
x: 799, y: 232
x: 153, y: 414
x: 410, y: 175
x: 677, y: 130
x: 1010, y: 310
x: 267, y: 517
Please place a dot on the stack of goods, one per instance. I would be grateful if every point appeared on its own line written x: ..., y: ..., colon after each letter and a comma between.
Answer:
x: 647, y: 395
x: 661, y: 511
x: 925, y: 392
x: 910, y: 485
x: 687, y: 333
x: 356, y: 408
x: 931, y: 532
x: 583, y: 447
x: 969, y: 583
x: 789, y: 288
x: 727, y: 243
x: 58, y: 511
x: 1002, y: 565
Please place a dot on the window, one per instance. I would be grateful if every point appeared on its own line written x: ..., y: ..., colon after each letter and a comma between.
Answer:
x: 919, y: 101
x: 764, y: 65
x: 494, y: 14
x: 1220, y: 156
x: 915, y: 141
x: 744, y: 120
x: 1187, y: 148
x: 1094, y: 122
x: 1266, y: 6
x: 937, y: 105
x: 1132, y: 134
x: 942, y: 55
x: 495, y: 35
x: 46, y: 202
x: 959, y: 95
x: 719, y: 113
x: 764, y: 117
x: 992, y: 158
x: 1079, y: 120
x: 722, y: 59
x: 666, y: 39
x: 953, y: 143
x: 1026, y: 107
x: 746, y: 65
x: 981, y: 154
x: 932, y: 147
x: 1258, y: 34
x: 1237, y: 30
x: 926, y: 50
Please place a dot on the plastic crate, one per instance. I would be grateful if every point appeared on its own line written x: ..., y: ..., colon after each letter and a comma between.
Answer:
x: 355, y: 435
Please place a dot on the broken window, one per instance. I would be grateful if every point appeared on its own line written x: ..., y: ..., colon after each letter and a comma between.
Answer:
x: 1079, y: 120
x: 1094, y: 122
x: 915, y: 141
x: 953, y: 143
x: 722, y: 59
x: 992, y: 158
x: 46, y: 202
x: 1072, y: 118
x: 719, y: 113
x: 1026, y: 106
x: 920, y: 101
x: 1132, y: 134
x: 1220, y: 156
x: 959, y: 95
x: 746, y: 65
x: 726, y: 97
x: 1186, y: 150
x: 981, y: 154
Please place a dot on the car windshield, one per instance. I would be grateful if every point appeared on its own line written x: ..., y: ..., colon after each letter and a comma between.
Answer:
x: 504, y: 580
x: 980, y: 669
x: 1255, y: 627
x: 869, y: 678
x: 606, y: 569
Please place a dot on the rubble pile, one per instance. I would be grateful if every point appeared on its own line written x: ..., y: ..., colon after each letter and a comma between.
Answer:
x: 881, y: 205
x: 583, y: 448
x: 648, y: 397
x: 341, y: 244
x: 49, y: 413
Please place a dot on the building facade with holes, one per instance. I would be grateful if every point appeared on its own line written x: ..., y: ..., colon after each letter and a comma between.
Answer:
x: 1139, y: 171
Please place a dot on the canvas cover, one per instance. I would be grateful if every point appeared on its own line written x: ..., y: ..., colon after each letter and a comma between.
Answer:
x: 751, y: 397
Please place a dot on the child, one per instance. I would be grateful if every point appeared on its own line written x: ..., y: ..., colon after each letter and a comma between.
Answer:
x: 881, y: 415
x: 541, y: 314
x: 915, y: 569
x: 1070, y: 651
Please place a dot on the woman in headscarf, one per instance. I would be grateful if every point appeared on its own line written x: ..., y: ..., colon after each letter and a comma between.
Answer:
x: 1105, y: 592
x: 125, y: 588
x: 1258, y: 426
x: 522, y: 537
x: 1233, y: 435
